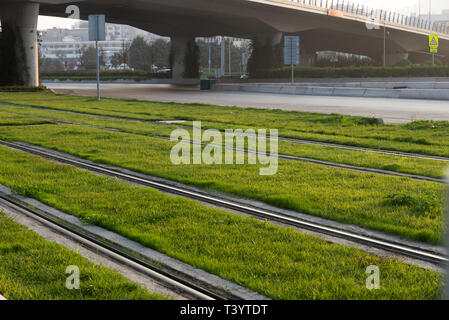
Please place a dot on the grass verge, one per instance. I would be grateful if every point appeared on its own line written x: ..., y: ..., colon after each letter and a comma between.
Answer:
x: 337, y: 194
x: 277, y: 262
x: 425, y: 167
x: 418, y: 137
x: 32, y: 268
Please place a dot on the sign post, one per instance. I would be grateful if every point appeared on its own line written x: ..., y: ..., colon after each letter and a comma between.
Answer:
x: 291, y: 53
x: 433, y: 45
x: 97, y: 32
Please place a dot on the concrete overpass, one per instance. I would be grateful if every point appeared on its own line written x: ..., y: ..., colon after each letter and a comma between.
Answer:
x: 322, y: 25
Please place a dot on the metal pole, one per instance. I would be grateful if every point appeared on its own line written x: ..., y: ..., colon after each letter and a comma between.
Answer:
x: 230, y: 68
x: 98, y: 70
x: 209, y: 56
x: 98, y: 57
x: 223, y: 53
x: 385, y: 50
x: 293, y: 69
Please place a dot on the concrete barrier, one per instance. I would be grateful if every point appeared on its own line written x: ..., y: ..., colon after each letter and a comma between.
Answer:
x: 341, y: 91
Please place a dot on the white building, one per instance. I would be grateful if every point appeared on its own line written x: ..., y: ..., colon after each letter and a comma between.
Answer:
x: 67, y: 44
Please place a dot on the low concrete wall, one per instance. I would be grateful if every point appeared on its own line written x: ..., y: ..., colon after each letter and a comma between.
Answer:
x: 317, y: 90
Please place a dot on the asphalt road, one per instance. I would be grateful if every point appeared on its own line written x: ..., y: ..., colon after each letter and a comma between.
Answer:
x: 391, y: 110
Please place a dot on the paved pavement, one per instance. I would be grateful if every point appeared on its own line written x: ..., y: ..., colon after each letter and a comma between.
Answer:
x: 391, y: 110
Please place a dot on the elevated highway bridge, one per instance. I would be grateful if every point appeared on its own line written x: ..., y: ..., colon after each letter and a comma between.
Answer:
x: 322, y: 24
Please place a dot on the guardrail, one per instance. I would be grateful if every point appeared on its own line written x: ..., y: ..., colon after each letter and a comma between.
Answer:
x: 378, y: 15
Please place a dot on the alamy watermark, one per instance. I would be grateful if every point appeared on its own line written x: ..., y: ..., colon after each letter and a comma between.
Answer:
x: 373, y: 280
x: 226, y: 148
x: 73, y: 280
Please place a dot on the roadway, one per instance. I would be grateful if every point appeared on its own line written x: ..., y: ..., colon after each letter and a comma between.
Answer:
x: 391, y: 110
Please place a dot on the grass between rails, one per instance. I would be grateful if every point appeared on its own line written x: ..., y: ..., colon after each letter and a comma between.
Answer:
x: 8, y: 119
x: 32, y: 268
x: 277, y: 262
x: 425, y: 167
x: 358, y: 131
x: 401, y: 206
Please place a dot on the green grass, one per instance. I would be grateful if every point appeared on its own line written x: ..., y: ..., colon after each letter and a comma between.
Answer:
x: 32, y: 268
x: 277, y: 262
x: 425, y: 167
x: 8, y: 119
x: 358, y: 131
x: 337, y: 194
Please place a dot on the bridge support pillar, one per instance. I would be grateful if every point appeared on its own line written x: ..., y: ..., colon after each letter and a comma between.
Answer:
x: 19, y: 63
x: 267, y: 53
x: 185, y: 60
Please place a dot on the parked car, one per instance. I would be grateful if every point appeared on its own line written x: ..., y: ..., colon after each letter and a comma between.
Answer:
x: 164, y: 71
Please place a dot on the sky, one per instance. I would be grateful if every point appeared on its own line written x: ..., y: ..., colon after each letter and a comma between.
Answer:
x: 402, y: 6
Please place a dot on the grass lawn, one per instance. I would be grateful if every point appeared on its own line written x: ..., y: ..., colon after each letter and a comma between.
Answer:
x: 32, y: 268
x: 277, y: 262
x: 413, y: 137
x: 8, y: 119
x: 401, y: 206
x: 425, y: 167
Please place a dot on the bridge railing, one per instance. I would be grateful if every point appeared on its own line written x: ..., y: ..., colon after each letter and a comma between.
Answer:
x: 378, y: 15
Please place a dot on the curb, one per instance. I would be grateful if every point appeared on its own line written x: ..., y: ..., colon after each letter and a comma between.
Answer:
x: 428, y: 94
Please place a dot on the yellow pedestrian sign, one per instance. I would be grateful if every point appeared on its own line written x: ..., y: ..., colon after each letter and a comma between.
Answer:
x: 433, y: 41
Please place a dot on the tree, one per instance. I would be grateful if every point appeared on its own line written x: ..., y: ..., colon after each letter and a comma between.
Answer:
x: 122, y: 56
x: 88, y: 59
x: 51, y: 65
x: 140, y: 54
x: 161, y: 53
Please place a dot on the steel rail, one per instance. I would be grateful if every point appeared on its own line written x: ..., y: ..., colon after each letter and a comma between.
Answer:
x: 172, y: 282
x: 402, y: 249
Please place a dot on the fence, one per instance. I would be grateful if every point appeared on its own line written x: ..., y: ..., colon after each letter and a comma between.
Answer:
x: 378, y: 15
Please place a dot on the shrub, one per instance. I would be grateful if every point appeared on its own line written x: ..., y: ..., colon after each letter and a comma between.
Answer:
x: 352, y: 72
x: 403, y: 63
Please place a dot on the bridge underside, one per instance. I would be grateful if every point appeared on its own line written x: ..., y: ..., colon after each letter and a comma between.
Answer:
x: 257, y: 19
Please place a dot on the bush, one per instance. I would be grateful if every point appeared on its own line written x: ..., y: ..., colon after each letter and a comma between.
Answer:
x: 21, y: 89
x: 403, y: 63
x: 105, y: 75
x: 429, y: 63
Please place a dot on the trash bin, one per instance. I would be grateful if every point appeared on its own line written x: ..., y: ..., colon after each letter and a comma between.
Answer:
x: 204, y: 84
x: 207, y: 84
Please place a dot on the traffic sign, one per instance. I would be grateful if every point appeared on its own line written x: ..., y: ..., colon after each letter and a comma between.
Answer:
x: 97, y: 27
x: 433, y: 41
x: 291, y: 50
x: 97, y: 32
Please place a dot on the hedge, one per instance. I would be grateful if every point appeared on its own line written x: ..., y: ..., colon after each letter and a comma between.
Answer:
x: 21, y: 89
x: 108, y: 74
x: 352, y: 72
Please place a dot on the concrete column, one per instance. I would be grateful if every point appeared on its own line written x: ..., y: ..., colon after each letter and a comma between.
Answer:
x: 19, y: 22
x: 272, y: 39
x: 179, y: 47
